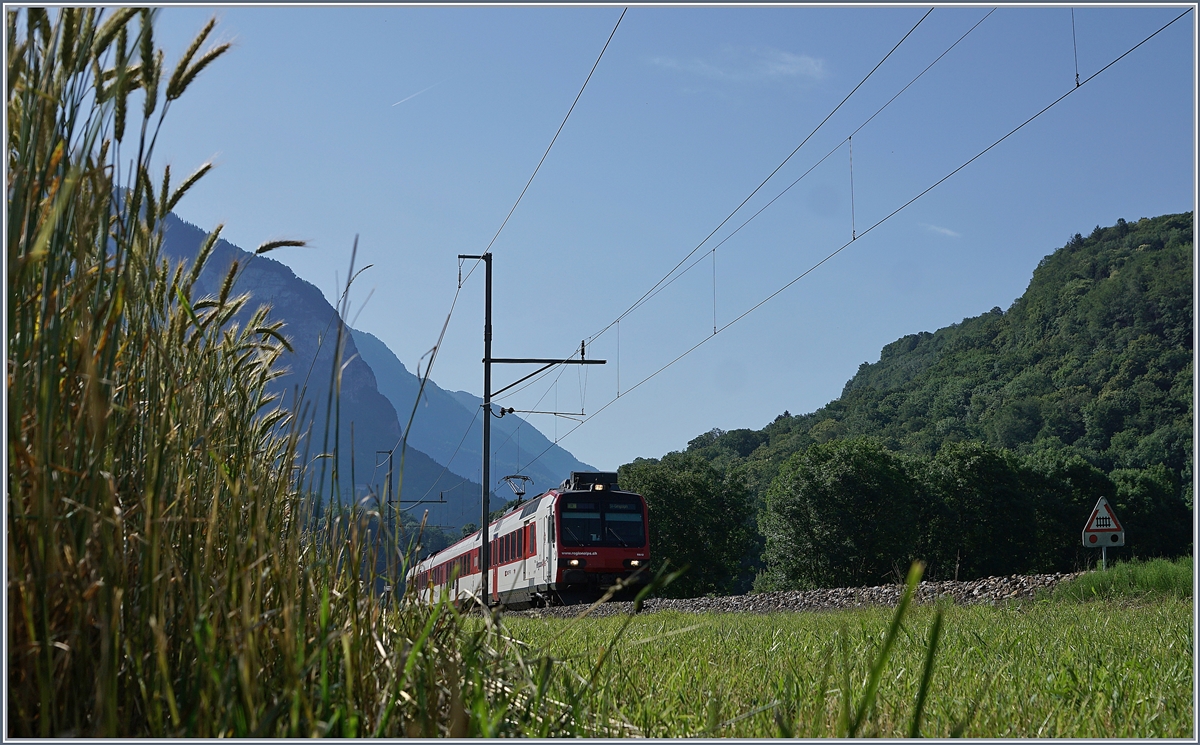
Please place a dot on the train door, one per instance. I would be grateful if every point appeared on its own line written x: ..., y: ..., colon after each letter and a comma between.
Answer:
x: 495, y: 559
x: 526, y: 549
x: 546, y: 550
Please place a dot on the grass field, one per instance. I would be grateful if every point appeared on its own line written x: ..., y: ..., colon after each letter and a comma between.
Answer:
x: 1132, y: 580
x: 1041, y: 669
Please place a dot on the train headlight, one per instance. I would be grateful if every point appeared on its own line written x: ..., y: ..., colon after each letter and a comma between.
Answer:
x: 635, y: 562
x: 575, y: 563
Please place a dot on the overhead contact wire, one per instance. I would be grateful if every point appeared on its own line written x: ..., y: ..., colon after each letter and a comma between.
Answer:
x: 552, y: 140
x: 461, y: 279
x: 768, y: 178
x: 662, y: 286
x: 671, y: 276
x: 890, y: 215
x: 802, y: 176
x: 451, y: 458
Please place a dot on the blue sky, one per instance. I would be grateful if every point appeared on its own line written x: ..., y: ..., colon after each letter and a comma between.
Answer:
x: 417, y: 128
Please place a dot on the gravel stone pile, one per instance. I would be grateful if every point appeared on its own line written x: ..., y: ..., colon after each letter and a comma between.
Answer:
x: 991, y: 590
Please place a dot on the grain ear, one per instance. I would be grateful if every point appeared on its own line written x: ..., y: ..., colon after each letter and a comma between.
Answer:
x: 201, y: 63
x: 187, y: 184
x: 227, y: 285
x: 202, y: 257
x: 272, y: 245
x: 108, y: 30
x: 185, y: 71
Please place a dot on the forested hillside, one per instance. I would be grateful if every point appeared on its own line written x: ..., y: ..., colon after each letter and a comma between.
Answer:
x: 1082, y: 388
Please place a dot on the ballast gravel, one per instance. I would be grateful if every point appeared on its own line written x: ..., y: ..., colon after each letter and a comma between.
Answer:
x: 990, y: 590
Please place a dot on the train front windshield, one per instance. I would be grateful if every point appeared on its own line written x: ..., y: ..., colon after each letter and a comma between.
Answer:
x: 613, y: 522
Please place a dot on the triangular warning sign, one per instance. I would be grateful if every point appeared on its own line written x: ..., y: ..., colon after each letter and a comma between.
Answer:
x: 1102, y: 520
x: 1103, y: 528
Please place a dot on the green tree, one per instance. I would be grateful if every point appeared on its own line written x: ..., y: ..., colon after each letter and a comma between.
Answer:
x: 986, y: 524
x: 1151, y: 509
x: 840, y: 513
x: 698, y: 516
x: 1063, y: 487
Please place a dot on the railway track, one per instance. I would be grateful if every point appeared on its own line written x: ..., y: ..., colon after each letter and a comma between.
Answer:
x: 991, y: 590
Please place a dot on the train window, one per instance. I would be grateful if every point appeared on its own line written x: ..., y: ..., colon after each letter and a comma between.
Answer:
x: 623, y: 523
x: 581, y: 523
x: 615, y: 522
x: 530, y: 508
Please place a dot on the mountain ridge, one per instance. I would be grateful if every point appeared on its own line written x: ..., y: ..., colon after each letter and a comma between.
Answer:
x: 367, y: 418
x: 443, y: 450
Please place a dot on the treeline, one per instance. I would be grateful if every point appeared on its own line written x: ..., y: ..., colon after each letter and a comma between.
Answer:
x: 979, y: 448
x: 852, y: 512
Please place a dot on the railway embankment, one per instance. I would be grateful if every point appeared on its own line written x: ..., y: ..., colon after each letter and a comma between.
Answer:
x: 989, y: 590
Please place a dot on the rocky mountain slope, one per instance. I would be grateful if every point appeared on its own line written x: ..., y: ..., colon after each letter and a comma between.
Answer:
x: 367, y: 418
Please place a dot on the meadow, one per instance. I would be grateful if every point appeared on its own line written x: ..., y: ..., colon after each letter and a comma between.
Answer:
x: 1051, y: 668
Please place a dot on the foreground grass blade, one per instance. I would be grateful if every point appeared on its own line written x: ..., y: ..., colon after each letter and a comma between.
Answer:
x: 876, y: 674
x: 935, y: 634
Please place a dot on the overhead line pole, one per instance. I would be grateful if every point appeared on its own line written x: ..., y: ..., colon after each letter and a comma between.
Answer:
x: 488, y: 360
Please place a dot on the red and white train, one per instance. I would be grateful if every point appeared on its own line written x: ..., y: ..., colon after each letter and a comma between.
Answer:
x: 565, y: 546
